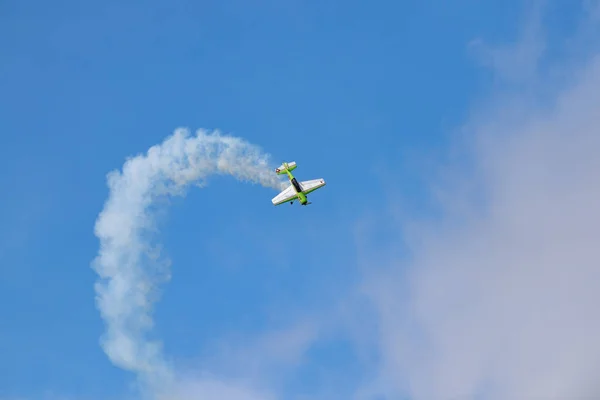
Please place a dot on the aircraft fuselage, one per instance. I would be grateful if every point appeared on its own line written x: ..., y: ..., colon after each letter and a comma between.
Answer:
x: 301, y: 196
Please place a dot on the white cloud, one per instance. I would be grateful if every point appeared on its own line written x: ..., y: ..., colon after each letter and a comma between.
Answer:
x: 500, y: 298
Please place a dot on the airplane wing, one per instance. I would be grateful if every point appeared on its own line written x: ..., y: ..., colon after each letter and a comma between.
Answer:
x: 312, y: 185
x: 286, y: 195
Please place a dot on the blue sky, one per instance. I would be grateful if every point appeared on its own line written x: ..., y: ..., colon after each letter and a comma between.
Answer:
x: 365, y: 95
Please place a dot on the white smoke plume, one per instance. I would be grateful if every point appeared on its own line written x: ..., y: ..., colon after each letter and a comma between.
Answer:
x: 127, y: 262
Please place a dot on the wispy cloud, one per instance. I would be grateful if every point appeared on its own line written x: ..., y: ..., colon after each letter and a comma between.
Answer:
x: 208, y: 386
x: 499, y: 299
x: 516, y: 63
x: 245, y: 366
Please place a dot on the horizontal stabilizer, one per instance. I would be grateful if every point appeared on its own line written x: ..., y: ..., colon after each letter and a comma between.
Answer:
x: 284, y: 167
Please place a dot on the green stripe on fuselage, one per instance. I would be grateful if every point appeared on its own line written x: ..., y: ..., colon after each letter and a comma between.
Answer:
x: 301, y: 195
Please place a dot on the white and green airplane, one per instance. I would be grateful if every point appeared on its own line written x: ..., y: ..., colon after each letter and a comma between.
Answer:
x: 297, y: 190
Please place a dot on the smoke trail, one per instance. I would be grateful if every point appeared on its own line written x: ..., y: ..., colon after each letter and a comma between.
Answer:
x: 127, y: 261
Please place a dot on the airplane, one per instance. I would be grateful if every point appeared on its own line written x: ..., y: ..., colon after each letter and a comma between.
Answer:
x: 295, y: 190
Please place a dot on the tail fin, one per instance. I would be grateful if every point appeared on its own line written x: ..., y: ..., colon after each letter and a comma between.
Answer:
x: 285, y: 167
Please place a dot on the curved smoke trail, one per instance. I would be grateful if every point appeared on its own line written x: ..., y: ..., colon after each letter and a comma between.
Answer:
x: 129, y: 269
